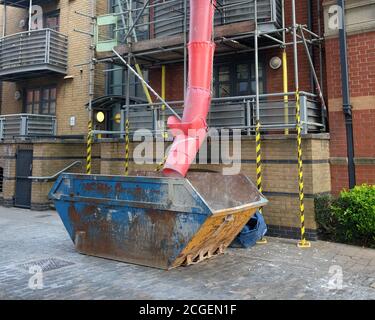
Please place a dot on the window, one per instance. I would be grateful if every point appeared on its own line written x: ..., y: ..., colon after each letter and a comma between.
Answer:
x: 236, y: 79
x: 1, y: 179
x: 224, y: 81
x: 117, y: 78
x: 52, y: 20
x: 41, y: 101
x: 32, y: 100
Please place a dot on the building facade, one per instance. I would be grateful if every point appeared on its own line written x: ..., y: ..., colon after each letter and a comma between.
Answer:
x: 360, y: 27
x: 48, y: 85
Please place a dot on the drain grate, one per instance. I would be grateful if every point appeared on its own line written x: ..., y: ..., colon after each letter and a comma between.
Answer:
x: 44, y: 216
x: 46, y: 264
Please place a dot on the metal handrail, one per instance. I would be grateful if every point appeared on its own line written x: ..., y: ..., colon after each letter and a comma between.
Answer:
x: 56, y: 175
x: 34, y: 31
x: 232, y: 98
x: 27, y: 114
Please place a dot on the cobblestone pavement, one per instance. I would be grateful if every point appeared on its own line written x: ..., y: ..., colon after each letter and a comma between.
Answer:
x: 278, y: 270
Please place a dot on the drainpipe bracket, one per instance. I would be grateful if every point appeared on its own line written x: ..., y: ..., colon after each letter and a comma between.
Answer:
x: 347, y: 108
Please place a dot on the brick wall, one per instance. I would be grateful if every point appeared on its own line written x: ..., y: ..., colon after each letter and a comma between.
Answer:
x: 48, y: 159
x: 51, y: 157
x: 174, y: 81
x: 14, y: 15
x: 361, y: 61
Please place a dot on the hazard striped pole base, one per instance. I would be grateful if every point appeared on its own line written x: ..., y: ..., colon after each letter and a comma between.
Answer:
x: 89, y: 148
x: 127, y: 147
x: 303, y: 243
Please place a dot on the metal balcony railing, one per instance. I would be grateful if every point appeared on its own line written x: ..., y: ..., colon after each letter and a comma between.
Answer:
x: 167, y: 18
x: 235, y: 113
x: 33, y: 53
x: 26, y: 126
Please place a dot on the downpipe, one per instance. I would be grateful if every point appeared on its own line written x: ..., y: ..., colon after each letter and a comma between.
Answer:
x: 347, y: 107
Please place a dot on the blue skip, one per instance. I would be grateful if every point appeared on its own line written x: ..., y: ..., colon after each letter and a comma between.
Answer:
x: 152, y: 220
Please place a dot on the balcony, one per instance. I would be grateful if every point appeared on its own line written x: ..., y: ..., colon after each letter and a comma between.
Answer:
x: 33, y: 54
x: 158, y: 33
x: 169, y: 18
x: 26, y: 126
x: 237, y: 113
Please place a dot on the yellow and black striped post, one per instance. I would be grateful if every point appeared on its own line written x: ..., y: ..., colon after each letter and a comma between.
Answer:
x: 258, y: 142
x: 258, y: 157
x: 127, y: 146
x: 303, y: 243
x: 89, y: 148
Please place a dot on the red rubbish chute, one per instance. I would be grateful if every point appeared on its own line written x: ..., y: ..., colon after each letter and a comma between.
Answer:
x: 190, y: 132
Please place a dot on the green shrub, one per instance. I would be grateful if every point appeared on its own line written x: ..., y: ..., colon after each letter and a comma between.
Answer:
x: 324, y: 216
x: 350, y: 218
x: 355, y: 214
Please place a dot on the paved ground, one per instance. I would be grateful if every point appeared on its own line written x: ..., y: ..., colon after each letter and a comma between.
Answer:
x: 278, y: 270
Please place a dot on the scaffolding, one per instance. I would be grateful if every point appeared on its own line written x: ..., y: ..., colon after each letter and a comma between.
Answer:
x: 165, y: 25
x: 262, y: 26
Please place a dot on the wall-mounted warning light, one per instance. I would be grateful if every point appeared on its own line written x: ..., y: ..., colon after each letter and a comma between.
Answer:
x: 100, y: 116
x: 118, y: 118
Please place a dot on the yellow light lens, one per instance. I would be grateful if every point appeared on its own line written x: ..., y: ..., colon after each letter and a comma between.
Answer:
x: 100, y: 116
x: 118, y: 118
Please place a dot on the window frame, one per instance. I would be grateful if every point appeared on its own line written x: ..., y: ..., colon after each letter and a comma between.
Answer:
x: 41, y: 100
x: 233, y: 78
x: 135, y: 84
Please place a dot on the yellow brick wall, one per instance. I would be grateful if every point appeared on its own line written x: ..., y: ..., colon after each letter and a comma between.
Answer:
x: 280, y: 174
x: 52, y: 157
x: 14, y: 15
x: 279, y: 171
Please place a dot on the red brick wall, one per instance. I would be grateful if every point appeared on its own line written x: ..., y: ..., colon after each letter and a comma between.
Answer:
x: 174, y: 81
x: 361, y: 60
